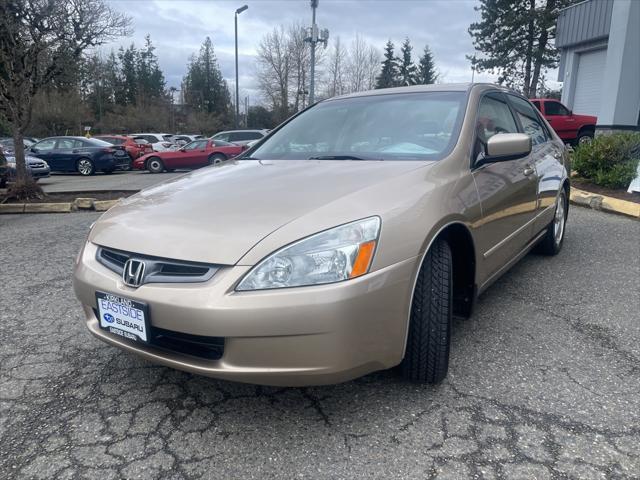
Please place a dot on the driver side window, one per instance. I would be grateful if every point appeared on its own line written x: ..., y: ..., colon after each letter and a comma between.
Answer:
x: 494, y: 116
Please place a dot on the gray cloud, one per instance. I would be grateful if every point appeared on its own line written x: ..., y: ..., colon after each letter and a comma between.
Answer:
x: 177, y: 29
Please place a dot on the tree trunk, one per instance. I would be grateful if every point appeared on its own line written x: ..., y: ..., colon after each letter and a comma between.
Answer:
x: 529, y: 53
x: 18, y: 145
x: 542, y: 45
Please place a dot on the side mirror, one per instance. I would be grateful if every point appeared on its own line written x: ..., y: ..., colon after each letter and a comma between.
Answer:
x: 506, y: 146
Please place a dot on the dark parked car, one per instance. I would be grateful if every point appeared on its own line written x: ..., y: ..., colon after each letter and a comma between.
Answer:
x: 7, y: 144
x: 82, y: 155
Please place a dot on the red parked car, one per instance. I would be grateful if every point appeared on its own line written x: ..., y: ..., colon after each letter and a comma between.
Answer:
x: 193, y: 155
x: 571, y: 128
x: 134, y: 147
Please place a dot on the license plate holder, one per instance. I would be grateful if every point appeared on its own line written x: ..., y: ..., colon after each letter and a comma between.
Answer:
x: 124, y: 317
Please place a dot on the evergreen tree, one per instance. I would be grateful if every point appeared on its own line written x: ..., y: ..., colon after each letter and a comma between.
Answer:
x: 204, y: 87
x: 151, y: 83
x: 407, y: 71
x: 128, y: 74
x: 515, y: 38
x: 389, y: 75
x: 427, y: 72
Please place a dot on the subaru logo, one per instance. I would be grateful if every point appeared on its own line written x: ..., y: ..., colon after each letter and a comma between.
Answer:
x: 108, y: 318
x: 133, y: 273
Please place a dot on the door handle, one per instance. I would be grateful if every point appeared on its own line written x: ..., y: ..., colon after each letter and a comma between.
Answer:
x: 528, y: 171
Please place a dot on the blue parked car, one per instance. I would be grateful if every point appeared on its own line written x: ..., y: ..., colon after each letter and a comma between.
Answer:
x: 79, y: 154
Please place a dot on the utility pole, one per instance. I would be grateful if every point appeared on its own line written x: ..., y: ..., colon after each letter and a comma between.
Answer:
x: 314, y: 38
x: 238, y: 12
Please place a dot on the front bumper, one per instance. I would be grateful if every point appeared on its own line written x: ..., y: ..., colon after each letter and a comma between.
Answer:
x: 289, y: 337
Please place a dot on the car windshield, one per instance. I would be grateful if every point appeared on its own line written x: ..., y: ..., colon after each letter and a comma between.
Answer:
x: 406, y: 126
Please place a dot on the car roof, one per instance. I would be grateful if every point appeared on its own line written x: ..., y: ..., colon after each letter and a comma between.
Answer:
x: 259, y: 130
x: 435, y: 87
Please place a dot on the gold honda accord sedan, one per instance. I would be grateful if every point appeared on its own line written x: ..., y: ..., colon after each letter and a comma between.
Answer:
x: 342, y: 243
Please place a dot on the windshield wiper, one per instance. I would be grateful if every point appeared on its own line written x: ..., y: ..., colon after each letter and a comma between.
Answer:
x: 338, y: 157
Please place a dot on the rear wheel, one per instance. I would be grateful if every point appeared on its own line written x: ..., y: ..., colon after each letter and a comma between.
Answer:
x: 216, y: 158
x: 551, y: 243
x: 155, y: 165
x: 426, y: 358
x: 85, y: 167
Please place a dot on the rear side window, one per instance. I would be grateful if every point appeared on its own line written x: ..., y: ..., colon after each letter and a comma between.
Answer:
x: 66, y: 143
x: 555, y: 108
x: 167, y: 138
x: 246, y: 136
x: 222, y: 136
x: 531, y: 124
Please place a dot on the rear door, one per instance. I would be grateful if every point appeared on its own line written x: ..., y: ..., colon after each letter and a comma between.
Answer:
x: 560, y: 119
x: 546, y: 156
x: 65, y: 155
x: 507, y: 190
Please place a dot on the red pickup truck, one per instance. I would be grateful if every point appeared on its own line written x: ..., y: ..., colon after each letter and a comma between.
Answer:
x: 571, y: 128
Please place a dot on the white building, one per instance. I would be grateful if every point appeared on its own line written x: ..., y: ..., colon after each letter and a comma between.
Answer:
x: 599, y: 41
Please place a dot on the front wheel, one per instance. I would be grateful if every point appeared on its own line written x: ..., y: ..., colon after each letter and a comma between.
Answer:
x: 155, y: 165
x: 584, y: 138
x: 85, y: 167
x: 551, y: 243
x: 426, y: 358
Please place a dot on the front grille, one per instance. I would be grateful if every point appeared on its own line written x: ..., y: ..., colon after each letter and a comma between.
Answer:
x: 200, y: 346
x: 157, y: 270
x: 36, y: 165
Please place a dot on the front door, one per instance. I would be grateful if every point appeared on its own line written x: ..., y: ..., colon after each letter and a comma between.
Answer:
x: 507, y: 191
x: 560, y: 119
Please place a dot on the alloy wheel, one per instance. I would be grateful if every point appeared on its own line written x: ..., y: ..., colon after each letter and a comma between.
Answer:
x: 559, y: 220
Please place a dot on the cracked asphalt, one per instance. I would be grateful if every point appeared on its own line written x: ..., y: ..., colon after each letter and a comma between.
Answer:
x: 544, y: 383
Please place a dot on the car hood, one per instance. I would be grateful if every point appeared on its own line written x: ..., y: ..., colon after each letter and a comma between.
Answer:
x: 217, y: 214
x: 585, y: 118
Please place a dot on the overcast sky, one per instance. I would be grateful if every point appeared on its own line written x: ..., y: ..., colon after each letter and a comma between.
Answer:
x: 178, y: 27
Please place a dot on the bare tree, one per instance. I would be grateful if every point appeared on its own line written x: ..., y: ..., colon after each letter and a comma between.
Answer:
x: 372, y: 68
x: 356, y: 65
x: 336, y: 69
x: 41, y: 39
x: 300, y: 56
x: 274, y: 71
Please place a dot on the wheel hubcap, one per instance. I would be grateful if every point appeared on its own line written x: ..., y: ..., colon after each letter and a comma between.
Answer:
x: 155, y: 165
x: 584, y: 140
x: 558, y: 221
x: 84, y: 167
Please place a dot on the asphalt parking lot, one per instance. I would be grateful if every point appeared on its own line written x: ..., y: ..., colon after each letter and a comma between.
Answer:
x: 131, y: 180
x: 544, y: 383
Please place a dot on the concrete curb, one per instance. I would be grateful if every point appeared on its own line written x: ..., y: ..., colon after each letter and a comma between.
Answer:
x: 86, y: 204
x: 604, y: 203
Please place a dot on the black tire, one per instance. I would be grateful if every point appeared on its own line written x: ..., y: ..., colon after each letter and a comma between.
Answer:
x: 584, y: 137
x: 551, y: 243
x: 3, y: 182
x: 85, y: 167
x: 426, y: 358
x: 217, y: 158
x: 155, y: 165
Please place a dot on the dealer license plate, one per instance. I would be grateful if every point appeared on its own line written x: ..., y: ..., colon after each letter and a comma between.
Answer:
x: 122, y: 316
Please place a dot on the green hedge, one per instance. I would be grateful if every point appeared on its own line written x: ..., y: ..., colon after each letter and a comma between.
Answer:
x: 609, y: 160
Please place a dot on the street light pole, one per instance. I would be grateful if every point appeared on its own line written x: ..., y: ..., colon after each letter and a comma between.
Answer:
x: 238, y: 12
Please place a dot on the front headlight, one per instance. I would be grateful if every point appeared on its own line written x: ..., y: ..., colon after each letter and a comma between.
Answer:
x: 334, y: 255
